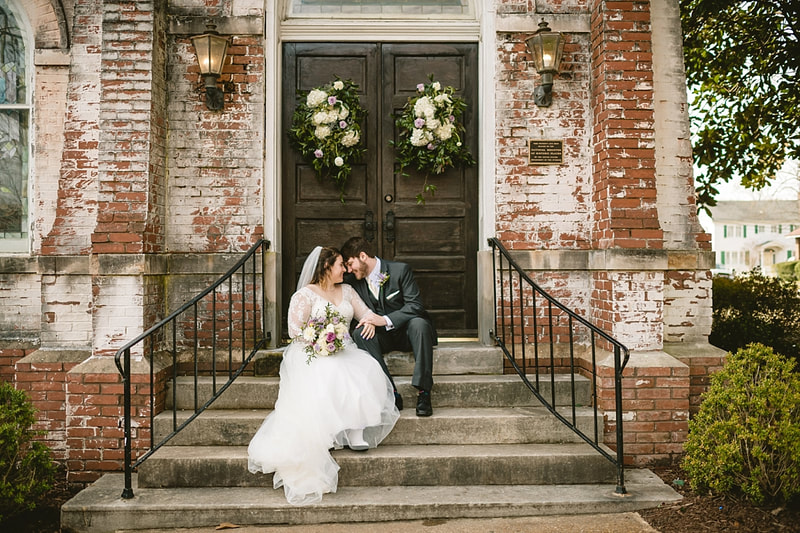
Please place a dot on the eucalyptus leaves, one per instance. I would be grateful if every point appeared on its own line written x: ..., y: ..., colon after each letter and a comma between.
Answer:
x: 326, y: 130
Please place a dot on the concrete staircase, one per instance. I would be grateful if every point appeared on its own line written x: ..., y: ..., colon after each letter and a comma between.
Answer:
x: 489, y: 450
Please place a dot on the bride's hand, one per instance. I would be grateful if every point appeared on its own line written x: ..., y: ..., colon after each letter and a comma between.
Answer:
x: 367, y: 331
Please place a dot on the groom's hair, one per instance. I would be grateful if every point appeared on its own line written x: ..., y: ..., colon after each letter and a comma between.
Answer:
x: 354, y: 246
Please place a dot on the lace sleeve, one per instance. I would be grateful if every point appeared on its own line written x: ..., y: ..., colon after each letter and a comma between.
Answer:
x: 299, y: 311
x: 360, y: 309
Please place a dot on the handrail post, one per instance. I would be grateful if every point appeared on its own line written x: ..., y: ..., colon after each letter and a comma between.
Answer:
x: 618, y: 397
x: 127, y: 492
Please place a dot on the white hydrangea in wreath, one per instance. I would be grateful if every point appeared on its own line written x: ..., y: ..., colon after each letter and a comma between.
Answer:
x: 326, y: 130
x: 430, y: 134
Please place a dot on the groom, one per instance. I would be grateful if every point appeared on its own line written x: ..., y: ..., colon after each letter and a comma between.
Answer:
x: 389, y: 289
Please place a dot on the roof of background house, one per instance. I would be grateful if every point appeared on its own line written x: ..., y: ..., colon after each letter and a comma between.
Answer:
x: 764, y: 211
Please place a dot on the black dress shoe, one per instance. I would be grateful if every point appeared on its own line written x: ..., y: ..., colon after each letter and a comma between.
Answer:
x: 424, y: 404
x: 398, y: 401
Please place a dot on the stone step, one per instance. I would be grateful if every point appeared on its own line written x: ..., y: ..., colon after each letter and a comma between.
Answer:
x: 449, y: 358
x: 448, y: 391
x: 434, y: 464
x: 448, y: 425
x: 99, y: 508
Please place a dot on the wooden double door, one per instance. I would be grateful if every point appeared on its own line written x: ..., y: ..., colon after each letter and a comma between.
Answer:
x: 437, y: 238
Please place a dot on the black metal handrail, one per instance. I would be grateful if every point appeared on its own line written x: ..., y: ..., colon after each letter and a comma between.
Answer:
x: 232, y: 330
x: 535, y: 313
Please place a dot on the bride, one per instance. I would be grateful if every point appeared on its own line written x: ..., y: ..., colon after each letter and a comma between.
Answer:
x: 323, y: 402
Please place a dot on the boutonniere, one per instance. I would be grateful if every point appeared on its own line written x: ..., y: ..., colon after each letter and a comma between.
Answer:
x: 382, y: 278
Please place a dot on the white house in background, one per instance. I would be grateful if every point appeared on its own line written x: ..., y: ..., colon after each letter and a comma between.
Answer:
x: 795, y: 236
x: 754, y: 233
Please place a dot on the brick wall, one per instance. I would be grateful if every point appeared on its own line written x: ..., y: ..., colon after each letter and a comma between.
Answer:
x: 42, y: 374
x: 20, y: 299
x: 624, y: 194
x: 673, y: 148
x: 655, y: 407
x: 216, y: 178
x: 76, y: 205
x: 52, y: 77
x: 687, y: 306
x: 12, y: 351
x: 542, y: 207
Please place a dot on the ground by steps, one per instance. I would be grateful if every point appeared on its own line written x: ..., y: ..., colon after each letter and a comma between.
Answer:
x: 489, y: 450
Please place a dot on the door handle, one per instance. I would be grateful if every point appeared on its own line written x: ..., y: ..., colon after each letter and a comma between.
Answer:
x: 388, y: 226
x: 369, y: 226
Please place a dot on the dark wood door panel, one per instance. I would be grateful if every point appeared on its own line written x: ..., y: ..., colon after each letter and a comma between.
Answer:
x: 311, y: 190
x: 439, y: 238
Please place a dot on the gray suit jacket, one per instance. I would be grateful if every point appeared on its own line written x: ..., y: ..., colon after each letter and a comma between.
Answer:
x: 398, y: 298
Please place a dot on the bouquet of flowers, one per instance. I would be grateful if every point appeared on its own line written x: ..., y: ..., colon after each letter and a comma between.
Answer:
x: 430, y: 134
x: 324, y: 336
x: 326, y: 130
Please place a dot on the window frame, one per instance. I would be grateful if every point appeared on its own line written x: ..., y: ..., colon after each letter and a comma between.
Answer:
x: 23, y: 244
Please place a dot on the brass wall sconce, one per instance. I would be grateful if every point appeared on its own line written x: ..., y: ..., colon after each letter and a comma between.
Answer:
x: 547, y: 47
x: 210, y: 49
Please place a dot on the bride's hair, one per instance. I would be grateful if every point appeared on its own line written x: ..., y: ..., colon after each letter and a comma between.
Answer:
x: 327, y: 257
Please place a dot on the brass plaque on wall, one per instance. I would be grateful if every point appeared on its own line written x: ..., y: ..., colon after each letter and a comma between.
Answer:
x: 546, y: 152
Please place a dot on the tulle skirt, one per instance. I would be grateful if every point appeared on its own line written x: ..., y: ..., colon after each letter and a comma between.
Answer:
x: 317, y: 403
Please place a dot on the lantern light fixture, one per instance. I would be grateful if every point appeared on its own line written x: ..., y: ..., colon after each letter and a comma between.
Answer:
x: 210, y: 49
x: 547, y: 47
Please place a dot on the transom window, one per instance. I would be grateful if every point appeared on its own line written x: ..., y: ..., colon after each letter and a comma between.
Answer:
x: 449, y: 9
x: 14, y: 132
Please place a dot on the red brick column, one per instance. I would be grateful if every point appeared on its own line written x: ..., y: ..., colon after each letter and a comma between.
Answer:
x: 132, y: 143
x: 43, y: 376
x: 624, y: 172
x: 10, y: 353
x: 655, y: 407
x: 624, y: 194
x: 703, y: 360
x: 95, y: 416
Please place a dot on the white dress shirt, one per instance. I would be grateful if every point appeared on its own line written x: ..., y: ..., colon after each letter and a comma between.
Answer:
x: 374, y: 284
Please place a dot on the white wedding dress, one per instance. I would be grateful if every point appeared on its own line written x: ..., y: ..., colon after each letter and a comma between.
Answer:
x: 317, y: 403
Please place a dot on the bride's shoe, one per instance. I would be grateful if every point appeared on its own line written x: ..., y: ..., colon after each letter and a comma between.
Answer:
x: 355, y: 438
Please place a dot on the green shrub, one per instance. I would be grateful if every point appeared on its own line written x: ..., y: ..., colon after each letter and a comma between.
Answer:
x: 753, y: 307
x: 787, y: 270
x: 745, y: 440
x: 26, y: 469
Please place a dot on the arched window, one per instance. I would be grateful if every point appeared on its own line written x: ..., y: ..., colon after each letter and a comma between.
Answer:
x: 15, y: 120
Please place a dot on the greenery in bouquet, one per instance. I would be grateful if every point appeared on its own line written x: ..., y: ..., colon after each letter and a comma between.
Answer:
x: 430, y: 134
x: 324, y: 336
x: 326, y: 130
